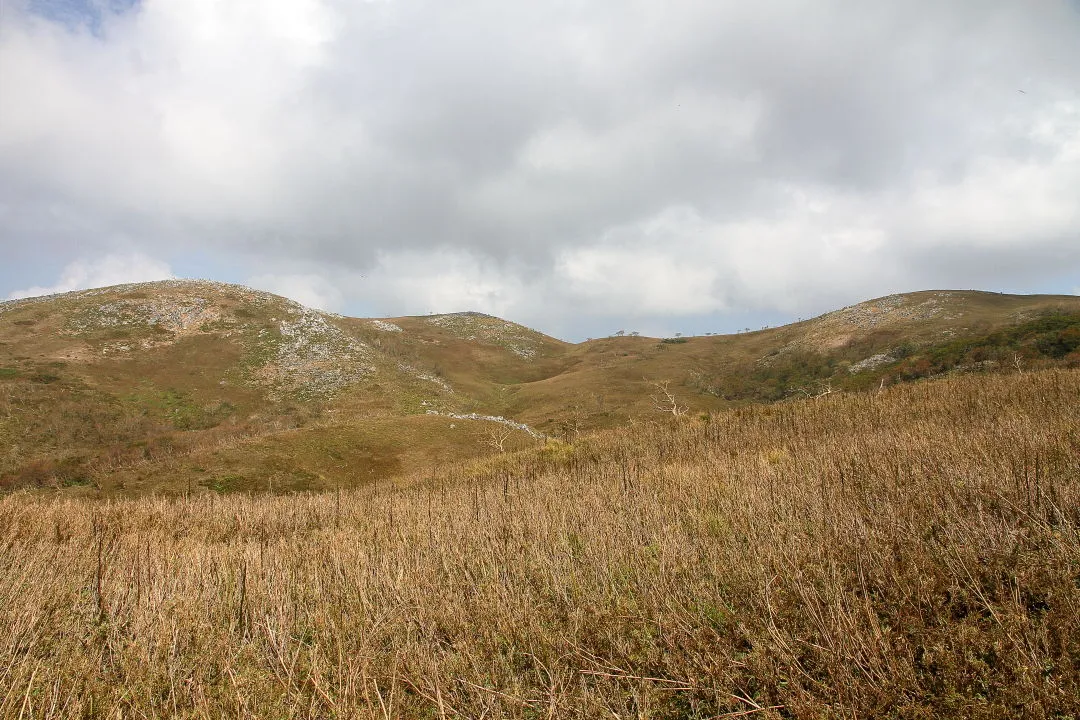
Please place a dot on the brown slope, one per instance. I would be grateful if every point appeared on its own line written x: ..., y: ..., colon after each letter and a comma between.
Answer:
x: 610, y: 379
x: 103, y: 386
x: 161, y: 385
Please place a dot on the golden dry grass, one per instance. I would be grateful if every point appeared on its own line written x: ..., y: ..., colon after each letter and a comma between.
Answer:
x: 910, y: 554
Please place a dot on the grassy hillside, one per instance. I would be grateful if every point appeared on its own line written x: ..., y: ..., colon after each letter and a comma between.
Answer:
x: 185, y: 386
x: 165, y: 386
x: 908, y: 553
x: 853, y: 348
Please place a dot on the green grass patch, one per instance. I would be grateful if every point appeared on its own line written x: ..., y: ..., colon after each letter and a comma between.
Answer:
x: 223, y: 483
x: 180, y: 409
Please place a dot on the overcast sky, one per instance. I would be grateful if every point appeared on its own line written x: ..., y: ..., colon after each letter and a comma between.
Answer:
x: 581, y: 167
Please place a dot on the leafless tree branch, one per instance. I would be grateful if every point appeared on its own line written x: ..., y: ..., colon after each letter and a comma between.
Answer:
x: 497, y: 437
x: 664, y: 400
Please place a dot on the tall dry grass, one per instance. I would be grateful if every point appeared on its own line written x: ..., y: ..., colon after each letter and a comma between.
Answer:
x: 913, y: 553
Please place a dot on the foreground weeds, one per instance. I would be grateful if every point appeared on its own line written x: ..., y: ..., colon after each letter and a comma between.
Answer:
x: 910, y: 554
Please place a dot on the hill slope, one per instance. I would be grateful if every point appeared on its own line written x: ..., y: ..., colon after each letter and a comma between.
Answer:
x: 911, y: 553
x: 180, y: 385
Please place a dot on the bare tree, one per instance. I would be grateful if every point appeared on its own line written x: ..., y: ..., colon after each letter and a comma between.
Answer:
x: 664, y: 400
x: 497, y: 435
x: 823, y: 389
x: 1018, y: 362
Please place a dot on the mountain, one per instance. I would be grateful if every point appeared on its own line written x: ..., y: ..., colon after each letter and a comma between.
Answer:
x: 183, y: 385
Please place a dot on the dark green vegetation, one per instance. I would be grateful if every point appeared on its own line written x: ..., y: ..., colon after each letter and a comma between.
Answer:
x: 1051, y: 339
x: 184, y: 386
x: 1054, y: 336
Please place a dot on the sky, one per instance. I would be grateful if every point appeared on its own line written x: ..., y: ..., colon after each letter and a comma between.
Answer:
x: 657, y: 166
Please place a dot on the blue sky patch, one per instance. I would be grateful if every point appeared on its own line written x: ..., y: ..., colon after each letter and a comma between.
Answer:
x: 74, y: 14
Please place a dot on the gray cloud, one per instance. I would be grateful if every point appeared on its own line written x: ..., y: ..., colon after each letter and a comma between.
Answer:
x: 566, y: 164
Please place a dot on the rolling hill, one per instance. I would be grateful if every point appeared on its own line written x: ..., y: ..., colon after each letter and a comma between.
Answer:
x: 184, y: 385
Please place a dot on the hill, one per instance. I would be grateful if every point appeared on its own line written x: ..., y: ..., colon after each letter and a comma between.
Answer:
x: 909, y: 553
x: 189, y: 385
x: 113, y: 387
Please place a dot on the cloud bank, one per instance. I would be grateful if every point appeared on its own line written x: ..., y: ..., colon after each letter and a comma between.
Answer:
x: 109, y: 270
x: 570, y: 165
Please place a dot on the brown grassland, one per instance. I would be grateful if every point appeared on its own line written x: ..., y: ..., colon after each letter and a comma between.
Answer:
x: 189, y: 385
x: 909, y: 553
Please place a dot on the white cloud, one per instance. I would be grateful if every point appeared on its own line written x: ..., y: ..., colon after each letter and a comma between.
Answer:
x: 562, y: 164
x: 309, y: 289
x: 191, y: 108
x: 1003, y: 201
x: 446, y: 280
x: 101, y: 272
x: 664, y: 266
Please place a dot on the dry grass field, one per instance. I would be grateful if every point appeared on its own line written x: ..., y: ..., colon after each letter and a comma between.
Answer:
x: 910, y: 553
